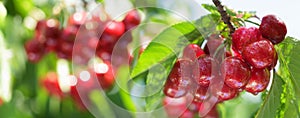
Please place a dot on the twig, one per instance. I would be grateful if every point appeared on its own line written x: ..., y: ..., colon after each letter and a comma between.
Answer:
x: 224, y: 15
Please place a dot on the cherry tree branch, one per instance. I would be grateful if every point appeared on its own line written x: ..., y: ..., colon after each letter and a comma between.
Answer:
x: 224, y: 15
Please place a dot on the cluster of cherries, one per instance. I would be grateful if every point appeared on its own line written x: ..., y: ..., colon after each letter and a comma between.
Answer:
x: 93, y: 36
x: 245, y: 67
x: 80, y: 88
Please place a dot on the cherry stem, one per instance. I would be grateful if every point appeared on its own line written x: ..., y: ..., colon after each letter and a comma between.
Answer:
x: 224, y: 15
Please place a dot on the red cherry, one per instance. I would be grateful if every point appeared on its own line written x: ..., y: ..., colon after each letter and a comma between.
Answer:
x: 105, y: 75
x: 35, y: 50
x: 213, y: 113
x: 50, y: 82
x: 213, y: 42
x: 174, y: 107
x: 49, y: 28
x: 65, y: 49
x: 235, y: 72
x: 187, y: 114
x: 206, y: 64
x: 273, y: 28
x: 226, y: 93
x: 177, y: 83
x: 132, y: 19
x: 275, y: 61
x: 1, y: 102
x: 192, y: 51
x: 259, y: 80
x: 244, y: 36
x: 77, y: 19
x: 115, y: 28
x: 200, y: 94
x: 260, y: 54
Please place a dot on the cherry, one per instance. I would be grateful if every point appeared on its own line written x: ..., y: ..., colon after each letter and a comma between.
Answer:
x: 200, y: 94
x: 192, y: 51
x: 273, y: 28
x: 50, y: 82
x: 35, y: 50
x: 226, y: 93
x: 65, y: 49
x: 105, y: 76
x: 272, y: 66
x: 49, y: 28
x: 177, y: 83
x: 187, y: 114
x: 243, y: 36
x: 213, y: 42
x: 213, y: 113
x: 236, y: 72
x: 259, y: 80
x: 132, y: 19
x: 206, y: 64
x: 77, y: 19
x: 114, y: 28
x: 174, y: 107
x: 260, y: 54
x: 1, y: 102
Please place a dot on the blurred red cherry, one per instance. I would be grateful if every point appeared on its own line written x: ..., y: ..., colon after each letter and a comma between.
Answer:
x: 34, y: 50
x: 51, y: 83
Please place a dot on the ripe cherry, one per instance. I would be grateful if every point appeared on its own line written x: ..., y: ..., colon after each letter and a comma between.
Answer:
x: 35, y: 50
x: 50, y: 82
x: 174, y: 107
x: 192, y: 51
x: 77, y: 19
x: 243, y: 36
x: 177, y: 83
x: 226, y: 93
x: 273, y: 28
x: 260, y: 54
x: 206, y: 65
x: 114, y: 28
x: 132, y: 19
x: 236, y: 72
x: 259, y: 80
x: 49, y: 28
x: 105, y: 76
x: 200, y: 94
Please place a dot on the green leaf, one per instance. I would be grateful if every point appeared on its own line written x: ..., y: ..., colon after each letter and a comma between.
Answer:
x: 272, y: 101
x: 166, y: 46
x: 211, y: 8
x: 289, y: 70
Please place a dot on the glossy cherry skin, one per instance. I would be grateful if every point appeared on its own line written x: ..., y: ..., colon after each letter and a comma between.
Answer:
x: 243, y: 36
x: 260, y: 54
x: 114, y: 28
x: 200, y: 94
x: 273, y: 28
x: 177, y: 83
x: 192, y: 51
x: 35, y: 50
x: 236, y: 72
x: 206, y: 65
x: 226, y: 93
x: 259, y: 81
x: 132, y: 19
